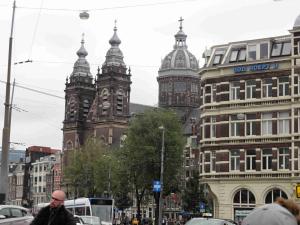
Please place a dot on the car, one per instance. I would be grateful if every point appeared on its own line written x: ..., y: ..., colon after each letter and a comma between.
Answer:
x: 209, y: 221
x: 14, y: 215
x: 82, y: 220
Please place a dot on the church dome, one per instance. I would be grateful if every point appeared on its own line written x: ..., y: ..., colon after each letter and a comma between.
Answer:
x: 81, y: 66
x: 297, y: 22
x: 114, y: 56
x: 180, y: 58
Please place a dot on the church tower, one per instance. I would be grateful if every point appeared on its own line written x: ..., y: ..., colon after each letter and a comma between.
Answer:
x: 110, y: 109
x: 79, y: 95
x: 178, y: 79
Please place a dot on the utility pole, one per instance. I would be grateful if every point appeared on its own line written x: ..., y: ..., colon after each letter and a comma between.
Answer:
x: 161, y: 175
x: 6, y: 127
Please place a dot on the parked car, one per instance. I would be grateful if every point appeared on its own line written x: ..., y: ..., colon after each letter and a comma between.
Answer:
x: 87, y: 220
x: 14, y: 215
x: 209, y: 221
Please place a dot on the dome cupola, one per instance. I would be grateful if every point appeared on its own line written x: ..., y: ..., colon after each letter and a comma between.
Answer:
x: 114, y: 56
x: 297, y: 22
x: 180, y: 58
x: 81, y: 67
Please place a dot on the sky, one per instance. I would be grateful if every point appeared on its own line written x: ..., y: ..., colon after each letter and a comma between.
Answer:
x: 49, y: 32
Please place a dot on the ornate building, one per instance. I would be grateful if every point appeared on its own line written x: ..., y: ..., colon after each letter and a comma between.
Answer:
x: 179, y: 85
x: 250, y: 122
x: 100, y: 107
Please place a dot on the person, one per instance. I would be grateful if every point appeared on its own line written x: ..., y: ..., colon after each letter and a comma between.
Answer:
x: 281, y: 212
x: 55, y: 213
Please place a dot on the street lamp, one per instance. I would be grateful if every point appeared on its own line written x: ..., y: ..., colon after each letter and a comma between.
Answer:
x: 161, y: 174
x: 6, y: 127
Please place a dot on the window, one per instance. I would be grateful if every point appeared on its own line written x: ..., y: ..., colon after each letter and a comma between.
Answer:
x: 214, y: 93
x: 267, y: 88
x: 251, y: 52
x: 218, y: 56
x: 235, y: 160
x: 105, y: 101
x: 86, y: 107
x: 120, y: 96
x: 251, y: 159
x: 283, y: 159
x: 244, y: 198
x: 213, y: 161
x: 194, y: 88
x: 179, y: 87
x: 274, y: 194
x: 267, y: 159
x: 165, y: 87
x: 281, y: 49
x: 5, y: 212
x: 266, y: 128
x: 16, y: 212
x: 264, y: 50
x: 250, y: 89
x: 235, y: 90
x: 250, y: 124
x: 213, y: 127
x: 286, y: 49
x: 238, y: 55
x: 283, y: 86
x: 283, y: 123
x: 235, y: 126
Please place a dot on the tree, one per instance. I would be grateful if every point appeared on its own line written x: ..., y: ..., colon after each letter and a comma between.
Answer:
x: 193, y: 194
x: 142, y: 150
x: 88, y: 168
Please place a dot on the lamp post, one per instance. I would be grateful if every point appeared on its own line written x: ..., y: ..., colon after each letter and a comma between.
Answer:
x: 6, y: 127
x: 161, y: 174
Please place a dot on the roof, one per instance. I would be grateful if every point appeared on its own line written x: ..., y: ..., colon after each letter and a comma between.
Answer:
x: 42, y: 149
x: 135, y: 108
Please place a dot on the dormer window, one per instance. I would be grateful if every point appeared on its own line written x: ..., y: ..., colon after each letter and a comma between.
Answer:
x: 218, y: 56
x: 238, y: 55
x: 281, y: 49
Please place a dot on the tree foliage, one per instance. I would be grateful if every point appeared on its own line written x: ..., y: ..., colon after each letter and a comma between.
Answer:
x: 88, y: 169
x: 142, y: 152
x: 193, y: 194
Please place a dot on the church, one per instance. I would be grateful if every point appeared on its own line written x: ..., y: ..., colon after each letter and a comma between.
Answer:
x: 100, y: 107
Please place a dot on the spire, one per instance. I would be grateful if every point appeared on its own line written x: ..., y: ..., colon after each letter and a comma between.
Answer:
x: 180, y: 37
x: 82, y: 52
x: 115, y: 41
x: 114, y: 55
x: 81, y: 67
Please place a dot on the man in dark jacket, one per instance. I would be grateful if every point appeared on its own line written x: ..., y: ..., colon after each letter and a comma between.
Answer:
x: 55, y: 213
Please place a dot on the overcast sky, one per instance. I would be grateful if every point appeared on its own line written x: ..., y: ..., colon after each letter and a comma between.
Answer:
x: 51, y: 36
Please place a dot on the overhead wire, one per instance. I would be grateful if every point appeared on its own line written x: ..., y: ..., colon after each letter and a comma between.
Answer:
x: 107, y: 8
x: 34, y: 90
x: 35, y: 29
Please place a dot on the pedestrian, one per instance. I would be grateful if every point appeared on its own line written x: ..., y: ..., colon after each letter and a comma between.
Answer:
x: 281, y: 212
x: 55, y: 213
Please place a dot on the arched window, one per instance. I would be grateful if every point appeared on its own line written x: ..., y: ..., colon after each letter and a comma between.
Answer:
x: 105, y: 101
x: 86, y: 107
x: 69, y: 145
x: 71, y: 107
x: 244, y: 198
x: 274, y: 194
x: 120, y: 95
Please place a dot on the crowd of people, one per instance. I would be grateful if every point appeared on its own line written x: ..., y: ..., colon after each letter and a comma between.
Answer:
x: 281, y: 212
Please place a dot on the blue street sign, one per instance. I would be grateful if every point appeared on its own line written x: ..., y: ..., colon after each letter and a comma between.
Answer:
x: 202, y: 206
x: 156, y: 186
